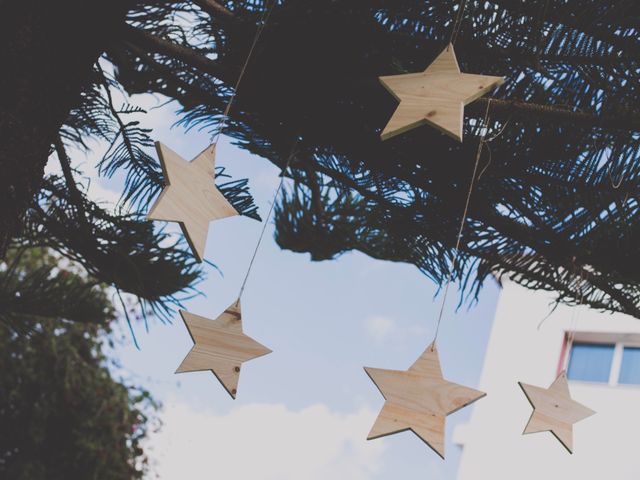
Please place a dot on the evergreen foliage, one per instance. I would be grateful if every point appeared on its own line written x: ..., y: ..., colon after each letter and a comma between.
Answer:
x: 555, y: 206
x: 62, y: 414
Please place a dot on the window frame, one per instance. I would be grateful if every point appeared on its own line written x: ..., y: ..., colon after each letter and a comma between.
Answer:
x: 618, y: 383
x: 618, y: 342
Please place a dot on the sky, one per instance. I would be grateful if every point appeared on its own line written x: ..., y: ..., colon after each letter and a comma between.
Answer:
x: 303, y: 412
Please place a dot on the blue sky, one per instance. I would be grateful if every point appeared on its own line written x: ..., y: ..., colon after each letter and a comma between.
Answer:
x: 302, y: 412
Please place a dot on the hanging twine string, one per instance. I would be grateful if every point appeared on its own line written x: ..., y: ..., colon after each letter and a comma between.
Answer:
x: 487, y: 144
x: 266, y: 220
x: 457, y: 22
x: 462, y: 223
x: 225, y: 116
x: 215, y: 137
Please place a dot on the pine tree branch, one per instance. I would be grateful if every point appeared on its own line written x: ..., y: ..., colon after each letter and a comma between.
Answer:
x: 509, y: 228
x: 153, y: 44
x: 553, y: 252
x: 625, y: 120
x: 584, y: 60
x: 74, y: 192
x: 188, y: 94
x: 215, y: 10
x: 121, y: 125
x: 555, y: 15
x: 534, y: 60
x: 316, y: 195
x: 509, y: 267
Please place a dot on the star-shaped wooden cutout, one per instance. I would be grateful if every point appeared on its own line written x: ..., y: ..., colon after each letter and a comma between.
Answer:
x: 554, y: 410
x: 190, y: 196
x: 220, y: 346
x: 436, y: 96
x: 419, y: 399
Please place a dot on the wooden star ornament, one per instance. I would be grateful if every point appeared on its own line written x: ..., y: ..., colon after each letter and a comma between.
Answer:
x: 190, y: 196
x: 220, y: 346
x: 436, y: 96
x: 419, y: 399
x: 554, y: 410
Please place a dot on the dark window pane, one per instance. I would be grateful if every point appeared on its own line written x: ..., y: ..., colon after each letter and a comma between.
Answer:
x: 590, y: 362
x: 630, y: 369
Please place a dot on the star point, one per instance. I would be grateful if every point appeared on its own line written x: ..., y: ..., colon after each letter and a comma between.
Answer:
x: 554, y: 410
x: 220, y: 346
x: 435, y: 97
x: 190, y: 196
x: 418, y: 399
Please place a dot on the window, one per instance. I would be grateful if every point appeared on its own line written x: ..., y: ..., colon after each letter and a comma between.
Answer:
x: 630, y: 368
x: 605, y: 358
x: 591, y: 362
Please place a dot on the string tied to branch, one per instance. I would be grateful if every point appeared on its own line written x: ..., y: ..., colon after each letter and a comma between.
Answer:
x: 452, y: 267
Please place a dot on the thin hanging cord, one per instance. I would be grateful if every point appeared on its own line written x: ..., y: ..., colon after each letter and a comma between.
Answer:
x: 457, y: 22
x: 462, y: 222
x: 225, y: 116
x: 266, y: 222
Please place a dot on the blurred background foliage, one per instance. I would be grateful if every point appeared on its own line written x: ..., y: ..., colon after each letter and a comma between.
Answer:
x: 64, y: 414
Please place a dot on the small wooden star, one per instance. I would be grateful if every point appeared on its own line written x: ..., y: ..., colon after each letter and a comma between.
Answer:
x: 419, y: 399
x: 190, y: 196
x: 554, y: 410
x: 436, y: 96
x: 220, y: 346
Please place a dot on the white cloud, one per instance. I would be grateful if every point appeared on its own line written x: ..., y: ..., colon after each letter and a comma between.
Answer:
x: 265, y: 442
x: 380, y: 328
x: 383, y: 329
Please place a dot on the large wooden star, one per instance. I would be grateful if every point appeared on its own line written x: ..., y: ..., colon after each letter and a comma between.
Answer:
x: 436, y: 96
x: 554, y: 410
x: 220, y: 346
x: 190, y: 196
x: 419, y: 399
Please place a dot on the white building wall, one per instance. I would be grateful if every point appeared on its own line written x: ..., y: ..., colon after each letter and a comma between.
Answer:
x: 606, y: 445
